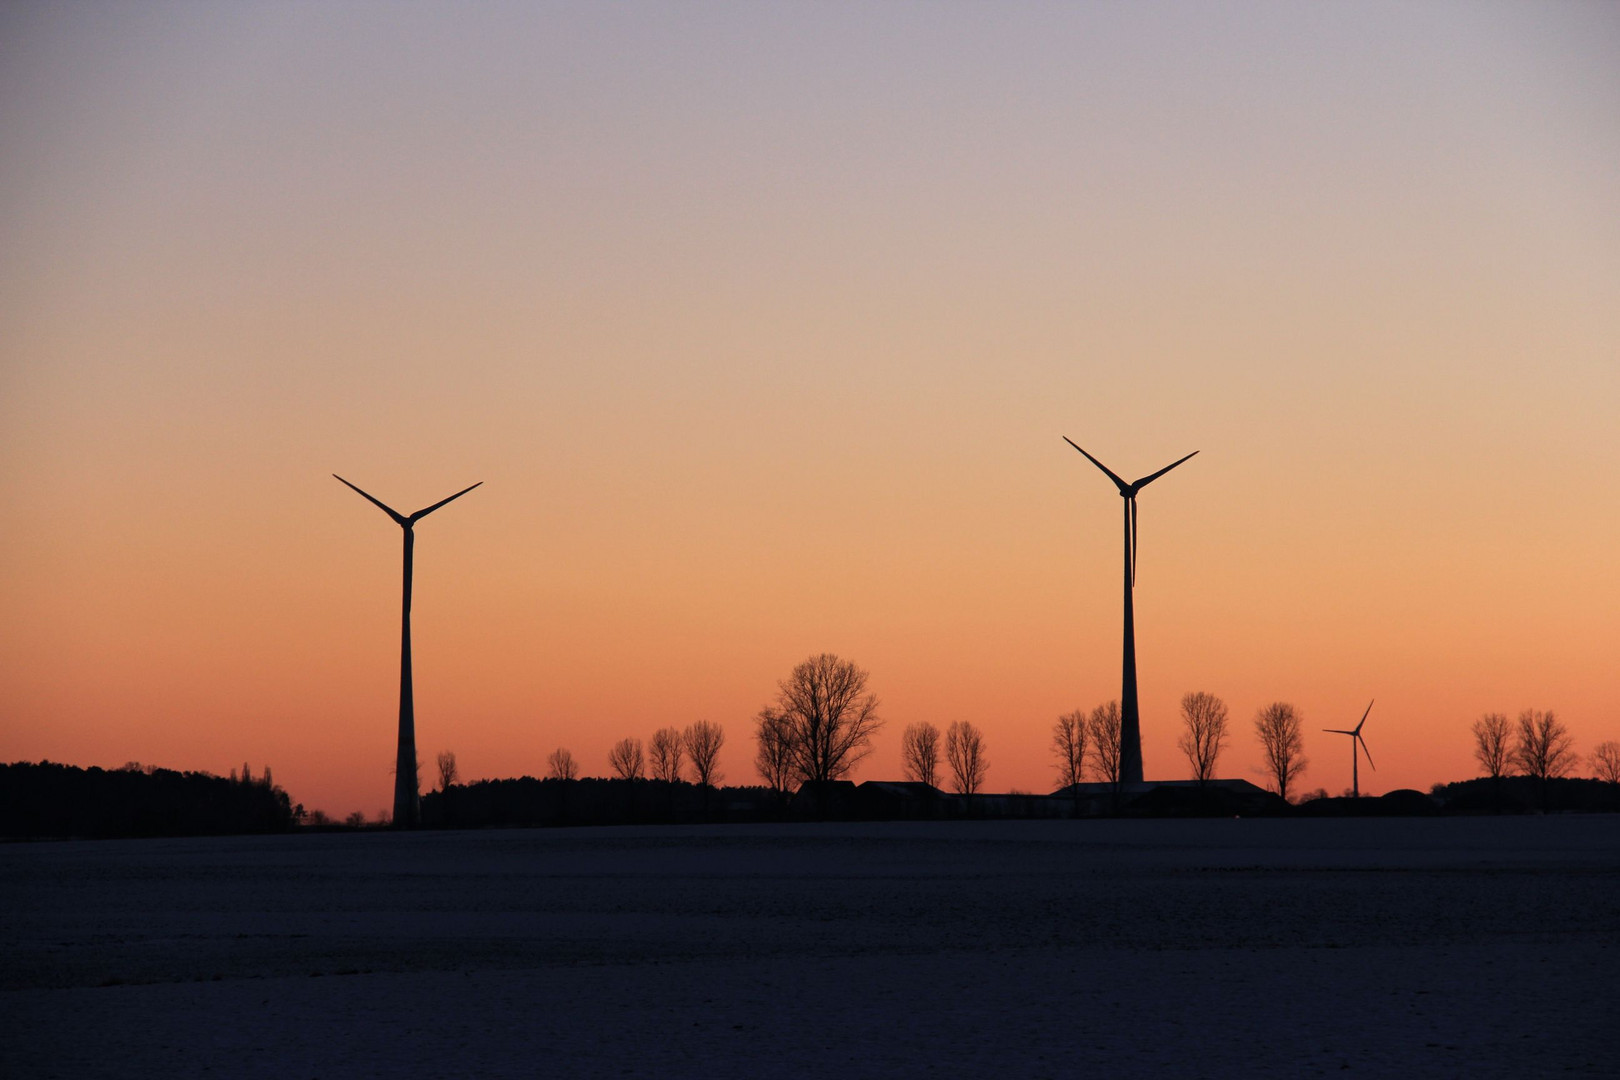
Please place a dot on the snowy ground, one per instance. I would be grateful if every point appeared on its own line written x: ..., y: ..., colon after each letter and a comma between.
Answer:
x: 1442, y: 947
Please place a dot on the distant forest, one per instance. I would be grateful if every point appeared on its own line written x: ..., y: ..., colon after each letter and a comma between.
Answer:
x: 50, y: 800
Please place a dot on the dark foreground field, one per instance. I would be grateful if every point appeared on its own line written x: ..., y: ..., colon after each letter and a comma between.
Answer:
x: 1371, y: 947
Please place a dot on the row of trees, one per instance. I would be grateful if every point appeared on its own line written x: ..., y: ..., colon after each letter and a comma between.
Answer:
x: 1537, y: 745
x: 671, y: 755
x: 824, y: 718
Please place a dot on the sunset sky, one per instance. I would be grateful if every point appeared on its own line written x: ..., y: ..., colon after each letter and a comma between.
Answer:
x: 761, y: 324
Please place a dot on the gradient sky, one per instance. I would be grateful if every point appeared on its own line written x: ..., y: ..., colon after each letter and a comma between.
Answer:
x: 761, y: 324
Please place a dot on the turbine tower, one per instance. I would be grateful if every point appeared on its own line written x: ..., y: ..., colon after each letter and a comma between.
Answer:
x: 1130, y: 721
x: 407, y: 808
x: 1355, y: 737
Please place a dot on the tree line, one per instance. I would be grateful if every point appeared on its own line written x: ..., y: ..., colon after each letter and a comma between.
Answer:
x: 824, y: 719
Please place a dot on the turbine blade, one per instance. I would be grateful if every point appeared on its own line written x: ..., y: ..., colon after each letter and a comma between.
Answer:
x: 1122, y: 485
x: 1366, y: 751
x: 389, y: 510
x: 1146, y: 480
x: 424, y: 513
x: 1133, y: 541
x: 1338, y: 731
x: 1364, y: 716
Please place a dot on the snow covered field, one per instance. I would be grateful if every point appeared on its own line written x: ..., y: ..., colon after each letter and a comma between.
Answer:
x: 1441, y: 947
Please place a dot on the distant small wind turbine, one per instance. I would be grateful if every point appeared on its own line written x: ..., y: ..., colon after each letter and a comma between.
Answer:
x: 1355, y: 737
x: 407, y: 808
x: 1130, y: 721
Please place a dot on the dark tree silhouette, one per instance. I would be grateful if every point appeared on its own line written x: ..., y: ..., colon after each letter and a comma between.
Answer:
x: 1606, y: 762
x: 703, y: 740
x: 1102, y: 737
x: 447, y: 769
x: 626, y: 759
x: 1493, y: 744
x: 827, y: 717
x: 1069, y: 739
x: 1542, y: 748
x: 964, y: 752
x: 919, y: 750
x: 774, y: 757
x: 560, y: 765
x: 1203, y: 722
x: 1282, y: 743
x: 664, y: 755
x: 47, y: 799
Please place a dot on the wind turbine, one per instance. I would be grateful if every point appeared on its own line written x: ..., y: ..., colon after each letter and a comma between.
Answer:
x: 407, y: 809
x: 1130, y: 722
x: 1355, y: 737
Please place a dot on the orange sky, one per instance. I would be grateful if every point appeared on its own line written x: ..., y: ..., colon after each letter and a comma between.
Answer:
x: 761, y: 326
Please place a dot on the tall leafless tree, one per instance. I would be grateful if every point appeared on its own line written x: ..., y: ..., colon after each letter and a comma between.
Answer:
x: 1542, y: 748
x: 1493, y: 744
x: 1606, y: 761
x: 919, y: 749
x: 1102, y: 735
x: 827, y: 716
x: 560, y: 765
x: 1282, y: 743
x: 1203, y: 733
x: 703, y: 740
x: 664, y: 754
x: 774, y: 756
x: 964, y: 752
x: 447, y: 769
x: 1069, y: 738
x: 626, y: 759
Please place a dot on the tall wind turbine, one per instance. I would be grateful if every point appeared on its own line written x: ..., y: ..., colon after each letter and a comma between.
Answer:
x: 1355, y: 737
x: 1130, y: 721
x: 407, y: 808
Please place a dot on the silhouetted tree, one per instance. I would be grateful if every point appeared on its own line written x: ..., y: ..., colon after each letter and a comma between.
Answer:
x: 774, y: 756
x: 447, y: 769
x: 703, y: 740
x: 626, y: 760
x: 1542, y: 748
x: 1203, y: 722
x: 1069, y: 739
x: 1606, y: 761
x: 355, y: 820
x: 919, y: 750
x: 964, y: 752
x: 1278, y: 727
x: 1492, y: 744
x: 664, y: 755
x: 1102, y: 738
x: 827, y: 717
x: 560, y: 765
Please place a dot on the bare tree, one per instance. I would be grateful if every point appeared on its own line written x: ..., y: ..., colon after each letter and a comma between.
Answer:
x: 1606, y: 761
x: 827, y: 716
x: 626, y: 759
x: 919, y: 749
x: 1102, y: 733
x: 964, y: 751
x: 1492, y: 744
x: 703, y: 740
x: 1278, y: 727
x: 1203, y: 720
x: 1542, y: 748
x: 774, y: 758
x: 560, y: 765
x: 1069, y: 748
x: 664, y: 754
x: 447, y: 769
